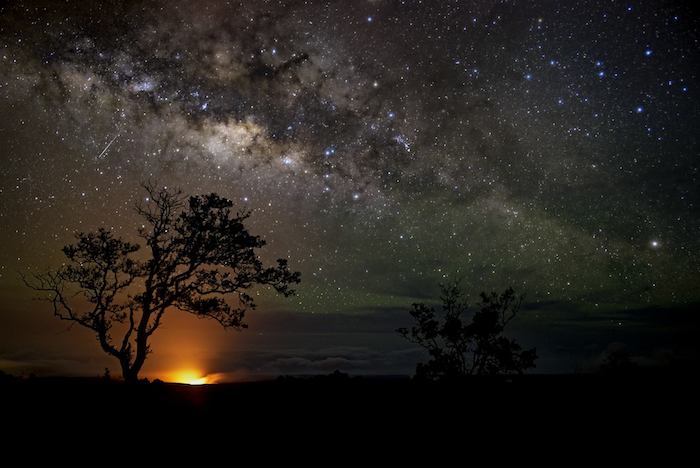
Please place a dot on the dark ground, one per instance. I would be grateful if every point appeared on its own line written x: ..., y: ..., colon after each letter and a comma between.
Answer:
x: 655, y: 403
x: 564, y: 420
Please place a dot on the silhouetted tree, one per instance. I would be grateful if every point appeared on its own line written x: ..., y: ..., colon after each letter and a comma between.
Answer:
x: 198, y: 254
x: 458, y: 348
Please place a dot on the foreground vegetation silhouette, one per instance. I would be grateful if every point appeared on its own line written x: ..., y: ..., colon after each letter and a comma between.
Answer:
x: 198, y: 255
x: 458, y: 348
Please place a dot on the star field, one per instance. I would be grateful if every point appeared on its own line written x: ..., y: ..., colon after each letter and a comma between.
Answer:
x: 383, y: 146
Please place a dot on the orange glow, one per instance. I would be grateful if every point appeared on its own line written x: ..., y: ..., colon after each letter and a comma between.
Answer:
x: 189, y: 377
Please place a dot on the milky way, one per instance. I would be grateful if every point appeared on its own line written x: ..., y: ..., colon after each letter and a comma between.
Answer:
x: 383, y: 146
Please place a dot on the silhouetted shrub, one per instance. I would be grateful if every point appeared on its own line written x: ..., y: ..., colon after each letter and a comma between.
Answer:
x: 458, y: 347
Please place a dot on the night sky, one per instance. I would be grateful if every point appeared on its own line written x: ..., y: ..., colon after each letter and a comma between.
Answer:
x: 383, y: 147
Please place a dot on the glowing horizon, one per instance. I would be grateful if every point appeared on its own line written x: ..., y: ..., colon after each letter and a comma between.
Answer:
x: 189, y: 377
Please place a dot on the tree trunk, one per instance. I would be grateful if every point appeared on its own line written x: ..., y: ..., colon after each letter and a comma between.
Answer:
x: 129, y: 375
x: 141, y: 353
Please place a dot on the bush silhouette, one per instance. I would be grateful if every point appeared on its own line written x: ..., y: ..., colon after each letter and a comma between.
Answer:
x: 458, y: 348
x: 618, y: 361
